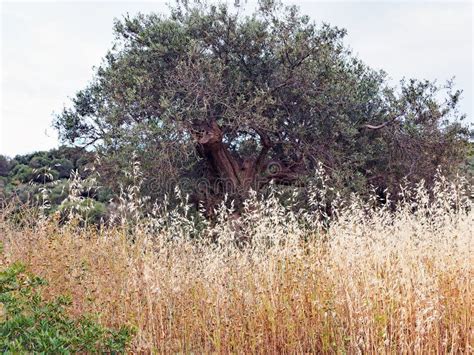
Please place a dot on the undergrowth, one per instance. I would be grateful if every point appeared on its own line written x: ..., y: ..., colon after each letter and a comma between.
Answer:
x: 376, y: 278
x: 30, y: 324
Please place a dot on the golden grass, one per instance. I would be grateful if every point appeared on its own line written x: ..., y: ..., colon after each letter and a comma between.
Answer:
x: 377, y: 282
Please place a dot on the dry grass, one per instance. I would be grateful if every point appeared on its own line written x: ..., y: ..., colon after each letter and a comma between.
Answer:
x: 377, y: 281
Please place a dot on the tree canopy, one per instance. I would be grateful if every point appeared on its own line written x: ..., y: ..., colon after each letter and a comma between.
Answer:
x: 208, y: 93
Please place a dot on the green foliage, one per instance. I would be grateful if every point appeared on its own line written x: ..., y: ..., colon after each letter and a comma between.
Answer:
x: 5, y: 165
x: 104, y: 195
x: 58, y: 193
x: 87, y: 209
x: 40, y: 160
x: 22, y: 173
x: 44, y: 175
x: 469, y: 168
x: 30, y: 324
x: 3, y: 184
x: 27, y: 177
x: 63, y: 166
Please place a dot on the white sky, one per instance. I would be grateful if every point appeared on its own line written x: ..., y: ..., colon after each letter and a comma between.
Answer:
x: 48, y: 50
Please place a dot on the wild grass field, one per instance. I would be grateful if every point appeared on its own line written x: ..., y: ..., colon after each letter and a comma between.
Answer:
x: 377, y: 280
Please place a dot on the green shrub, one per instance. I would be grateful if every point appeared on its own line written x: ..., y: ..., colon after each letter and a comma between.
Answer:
x: 104, y: 194
x: 5, y: 165
x: 3, y: 185
x: 63, y: 167
x: 58, y: 193
x: 30, y: 324
x: 22, y: 173
x: 39, y: 160
x: 87, y: 209
x: 44, y: 175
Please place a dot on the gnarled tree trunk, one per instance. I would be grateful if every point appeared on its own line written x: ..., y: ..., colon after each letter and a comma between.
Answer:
x: 233, y: 175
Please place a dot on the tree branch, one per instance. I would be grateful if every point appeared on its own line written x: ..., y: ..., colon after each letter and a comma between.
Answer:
x: 266, y: 145
x: 382, y: 125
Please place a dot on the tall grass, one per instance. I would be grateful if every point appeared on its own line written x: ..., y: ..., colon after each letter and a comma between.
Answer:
x: 378, y: 280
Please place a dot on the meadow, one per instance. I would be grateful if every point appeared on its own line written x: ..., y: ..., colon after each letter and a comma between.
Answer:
x: 376, y: 279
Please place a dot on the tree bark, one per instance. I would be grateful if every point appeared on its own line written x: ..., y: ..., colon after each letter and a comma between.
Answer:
x: 234, y: 176
x: 225, y: 166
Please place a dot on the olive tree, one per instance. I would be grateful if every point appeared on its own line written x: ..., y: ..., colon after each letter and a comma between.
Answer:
x: 240, y: 101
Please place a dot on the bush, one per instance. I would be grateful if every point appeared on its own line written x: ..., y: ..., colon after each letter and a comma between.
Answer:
x: 44, y: 175
x: 104, y: 194
x: 30, y: 324
x: 22, y: 173
x: 87, y: 209
x: 63, y: 167
x: 39, y: 161
x: 5, y: 166
x: 58, y: 193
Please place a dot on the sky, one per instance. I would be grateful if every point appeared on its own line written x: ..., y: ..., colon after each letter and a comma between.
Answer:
x: 48, y: 51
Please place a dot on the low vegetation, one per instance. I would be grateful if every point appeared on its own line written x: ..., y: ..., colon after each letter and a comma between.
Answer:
x: 376, y: 278
x: 30, y: 324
